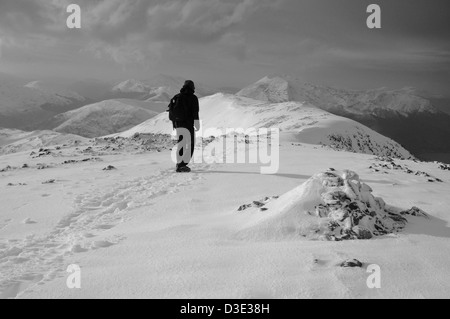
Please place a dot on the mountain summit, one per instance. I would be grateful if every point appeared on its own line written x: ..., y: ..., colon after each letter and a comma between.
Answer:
x: 409, y: 116
x: 299, y: 122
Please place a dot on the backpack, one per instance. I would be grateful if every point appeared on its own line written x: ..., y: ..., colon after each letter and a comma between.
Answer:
x: 177, y: 109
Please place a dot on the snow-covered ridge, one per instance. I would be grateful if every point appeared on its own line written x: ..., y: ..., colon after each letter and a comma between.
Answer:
x: 160, y: 94
x: 284, y: 88
x: 102, y: 118
x: 304, y: 122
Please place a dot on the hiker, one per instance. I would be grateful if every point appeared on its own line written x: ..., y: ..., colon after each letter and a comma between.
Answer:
x: 183, y: 112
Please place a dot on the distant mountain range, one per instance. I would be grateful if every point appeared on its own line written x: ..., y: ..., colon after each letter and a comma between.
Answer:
x: 379, y: 102
x: 417, y: 120
x: 24, y: 106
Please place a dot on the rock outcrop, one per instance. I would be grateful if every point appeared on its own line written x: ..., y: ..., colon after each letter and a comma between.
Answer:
x: 332, y: 206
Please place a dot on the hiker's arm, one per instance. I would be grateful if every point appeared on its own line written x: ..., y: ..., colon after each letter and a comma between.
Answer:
x: 196, y: 115
x: 196, y: 109
x: 197, y: 125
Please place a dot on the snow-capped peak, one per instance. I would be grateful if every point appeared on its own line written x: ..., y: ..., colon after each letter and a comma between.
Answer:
x: 278, y: 89
x: 131, y: 86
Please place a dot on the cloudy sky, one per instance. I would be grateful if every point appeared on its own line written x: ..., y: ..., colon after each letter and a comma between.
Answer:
x: 231, y: 42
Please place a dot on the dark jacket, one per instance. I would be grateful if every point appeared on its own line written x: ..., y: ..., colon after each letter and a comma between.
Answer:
x: 191, y: 105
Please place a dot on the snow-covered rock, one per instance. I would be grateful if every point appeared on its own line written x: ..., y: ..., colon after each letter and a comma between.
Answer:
x: 351, y: 263
x: 329, y: 206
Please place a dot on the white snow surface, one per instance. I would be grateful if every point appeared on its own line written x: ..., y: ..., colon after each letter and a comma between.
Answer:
x: 142, y: 231
x: 14, y: 141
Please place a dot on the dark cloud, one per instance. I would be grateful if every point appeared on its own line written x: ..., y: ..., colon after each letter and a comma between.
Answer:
x: 22, y: 16
x: 243, y: 37
x: 199, y: 21
x: 113, y: 21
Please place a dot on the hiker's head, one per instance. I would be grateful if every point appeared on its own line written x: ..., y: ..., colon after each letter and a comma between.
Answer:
x: 189, y: 85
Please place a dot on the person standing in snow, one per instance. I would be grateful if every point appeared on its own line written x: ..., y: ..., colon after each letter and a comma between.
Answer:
x: 184, y: 114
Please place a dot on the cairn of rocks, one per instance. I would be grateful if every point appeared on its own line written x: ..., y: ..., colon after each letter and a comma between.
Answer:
x: 345, y: 208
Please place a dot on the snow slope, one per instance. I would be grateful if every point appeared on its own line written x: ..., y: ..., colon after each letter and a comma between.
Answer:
x: 14, y: 141
x: 101, y: 118
x: 141, y: 231
x: 307, y: 124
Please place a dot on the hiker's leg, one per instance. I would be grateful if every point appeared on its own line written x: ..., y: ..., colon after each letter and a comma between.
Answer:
x: 181, y: 147
x: 184, y: 138
x: 190, y: 143
x: 192, y: 131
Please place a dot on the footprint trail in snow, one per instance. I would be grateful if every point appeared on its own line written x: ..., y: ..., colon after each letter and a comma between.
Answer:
x: 36, y: 260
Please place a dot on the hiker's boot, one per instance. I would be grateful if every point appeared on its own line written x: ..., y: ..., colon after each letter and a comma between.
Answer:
x: 183, y: 169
